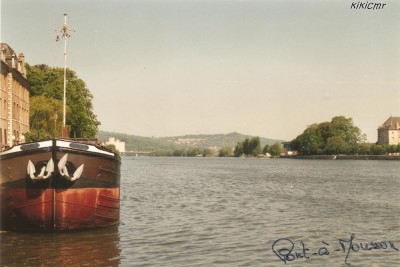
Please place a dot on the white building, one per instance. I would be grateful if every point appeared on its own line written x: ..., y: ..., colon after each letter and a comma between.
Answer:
x: 120, y: 146
x: 389, y: 132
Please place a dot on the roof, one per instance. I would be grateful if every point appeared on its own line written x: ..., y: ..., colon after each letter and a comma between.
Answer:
x: 9, y: 52
x: 393, y: 123
x: 18, y: 69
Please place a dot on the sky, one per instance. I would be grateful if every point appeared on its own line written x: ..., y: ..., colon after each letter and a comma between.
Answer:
x: 263, y: 68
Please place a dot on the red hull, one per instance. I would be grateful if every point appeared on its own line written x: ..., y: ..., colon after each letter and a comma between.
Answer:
x: 86, y: 208
x: 20, y: 211
x: 57, y: 203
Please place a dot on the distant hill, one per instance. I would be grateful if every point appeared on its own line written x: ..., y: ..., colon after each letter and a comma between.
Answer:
x: 216, y: 141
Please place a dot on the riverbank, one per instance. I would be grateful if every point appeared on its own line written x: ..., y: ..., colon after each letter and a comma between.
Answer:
x: 344, y: 157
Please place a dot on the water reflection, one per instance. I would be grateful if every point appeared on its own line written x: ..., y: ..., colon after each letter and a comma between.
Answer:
x: 99, y: 247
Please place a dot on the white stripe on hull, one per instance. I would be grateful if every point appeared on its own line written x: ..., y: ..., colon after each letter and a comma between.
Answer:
x: 59, y: 143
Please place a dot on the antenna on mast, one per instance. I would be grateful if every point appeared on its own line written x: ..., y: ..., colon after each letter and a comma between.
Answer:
x: 65, y: 34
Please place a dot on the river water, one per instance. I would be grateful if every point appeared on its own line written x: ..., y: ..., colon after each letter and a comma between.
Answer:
x: 235, y: 212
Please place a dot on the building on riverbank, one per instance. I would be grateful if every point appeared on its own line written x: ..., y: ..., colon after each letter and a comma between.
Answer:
x: 120, y: 146
x: 14, y: 97
x: 389, y: 132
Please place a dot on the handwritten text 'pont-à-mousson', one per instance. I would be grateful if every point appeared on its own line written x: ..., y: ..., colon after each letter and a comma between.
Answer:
x: 285, y: 250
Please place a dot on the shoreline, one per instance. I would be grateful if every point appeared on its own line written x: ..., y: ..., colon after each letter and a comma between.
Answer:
x: 344, y: 157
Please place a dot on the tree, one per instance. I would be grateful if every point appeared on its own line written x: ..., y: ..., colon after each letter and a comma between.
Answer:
x: 336, y: 145
x: 249, y: 147
x: 246, y: 146
x: 339, y: 136
x: 238, y: 150
x: 364, y: 149
x: 178, y: 153
x: 377, y: 150
x: 225, y: 152
x: 113, y: 148
x: 193, y: 152
x: 48, y: 82
x: 255, y: 146
x: 208, y: 152
x: 325, y: 130
x: 310, y: 142
x: 343, y: 127
x: 391, y: 149
x: 275, y: 150
x: 266, y: 149
x: 45, y: 118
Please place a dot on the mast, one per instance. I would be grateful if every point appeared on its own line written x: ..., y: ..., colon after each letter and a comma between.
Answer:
x: 65, y: 34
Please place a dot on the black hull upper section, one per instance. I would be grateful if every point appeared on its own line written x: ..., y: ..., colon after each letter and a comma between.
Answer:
x: 59, y: 185
x: 101, y: 167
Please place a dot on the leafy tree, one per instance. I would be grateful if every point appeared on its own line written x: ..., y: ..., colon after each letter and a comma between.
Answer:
x: 364, y: 149
x: 343, y: 127
x: 392, y: 149
x: 193, y: 152
x: 225, y: 152
x: 249, y: 147
x: 238, y: 150
x: 246, y: 146
x: 335, y: 145
x: 266, y: 149
x: 48, y: 82
x: 113, y: 148
x: 276, y: 149
x: 178, y: 153
x: 45, y: 118
x: 339, y: 136
x: 378, y: 150
x: 310, y: 142
x: 208, y: 153
x: 255, y: 146
x: 325, y: 130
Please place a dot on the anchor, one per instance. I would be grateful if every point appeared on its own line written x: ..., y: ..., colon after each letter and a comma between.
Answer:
x: 62, y: 168
x: 45, y: 172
